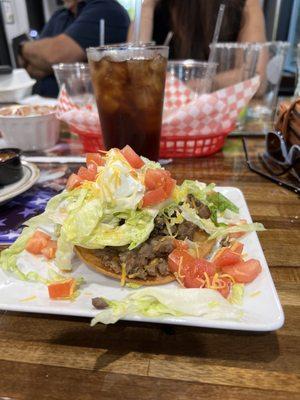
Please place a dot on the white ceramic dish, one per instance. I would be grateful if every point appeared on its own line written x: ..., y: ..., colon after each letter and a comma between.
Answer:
x: 31, y: 174
x: 262, y: 308
x: 15, y: 86
x: 33, y: 132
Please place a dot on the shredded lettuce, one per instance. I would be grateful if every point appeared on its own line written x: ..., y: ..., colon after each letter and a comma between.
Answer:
x: 221, y: 203
x: 9, y: 256
x: 196, y: 188
x: 162, y: 302
x: 224, y: 231
x: 190, y: 214
x: 237, y: 294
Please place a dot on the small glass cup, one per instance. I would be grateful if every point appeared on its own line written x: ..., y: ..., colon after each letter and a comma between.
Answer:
x: 236, y: 62
x: 270, y: 64
x: 77, y: 80
x: 241, y: 61
x: 129, y: 83
x: 196, y: 75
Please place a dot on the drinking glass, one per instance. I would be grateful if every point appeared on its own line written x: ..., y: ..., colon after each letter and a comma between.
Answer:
x: 236, y: 62
x: 128, y: 82
x: 77, y: 80
x: 270, y: 65
x: 196, y: 75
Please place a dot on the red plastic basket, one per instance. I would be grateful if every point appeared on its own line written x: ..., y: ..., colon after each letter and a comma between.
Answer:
x: 191, y: 146
x: 170, y: 147
x: 90, y: 141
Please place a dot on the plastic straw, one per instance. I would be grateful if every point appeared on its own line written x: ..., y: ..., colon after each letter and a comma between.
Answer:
x: 168, y: 38
x: 216, y: 32
x: 102, y: 32
x: 212, y: 52
x: 137, y: 20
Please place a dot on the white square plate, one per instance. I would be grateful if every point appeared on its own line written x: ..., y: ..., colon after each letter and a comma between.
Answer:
x: 262, y: 309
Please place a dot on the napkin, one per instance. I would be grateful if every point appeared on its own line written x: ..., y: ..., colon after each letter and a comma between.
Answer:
x: 184, y: 113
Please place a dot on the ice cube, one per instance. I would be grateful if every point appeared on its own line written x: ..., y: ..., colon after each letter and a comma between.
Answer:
x: 109, y: 104
x: 158, y: 64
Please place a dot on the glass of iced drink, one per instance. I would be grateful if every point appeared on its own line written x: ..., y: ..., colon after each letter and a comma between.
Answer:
x: 129, y: 82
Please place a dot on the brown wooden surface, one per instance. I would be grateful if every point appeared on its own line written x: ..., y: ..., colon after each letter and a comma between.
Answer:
x: 54, y: 357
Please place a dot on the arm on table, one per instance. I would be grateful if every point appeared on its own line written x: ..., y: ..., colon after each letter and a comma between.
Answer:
x: 42, y: 54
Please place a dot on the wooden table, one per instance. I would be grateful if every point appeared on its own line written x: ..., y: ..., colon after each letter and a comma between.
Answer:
x: 55, y: 357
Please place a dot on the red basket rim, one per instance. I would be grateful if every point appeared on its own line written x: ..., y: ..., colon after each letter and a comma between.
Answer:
x: 73, y: 129
x: 195, y: 137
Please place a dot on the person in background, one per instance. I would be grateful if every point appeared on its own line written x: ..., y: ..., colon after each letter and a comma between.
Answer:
x: 66, y: 36
x: 192, y: 23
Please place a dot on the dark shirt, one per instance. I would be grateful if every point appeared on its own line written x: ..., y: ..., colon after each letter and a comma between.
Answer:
x: 83, y: 28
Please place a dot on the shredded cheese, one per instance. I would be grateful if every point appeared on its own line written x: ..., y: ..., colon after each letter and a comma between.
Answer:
x: 30, y: 298
x: 123, y: 275
x: 254, y: 294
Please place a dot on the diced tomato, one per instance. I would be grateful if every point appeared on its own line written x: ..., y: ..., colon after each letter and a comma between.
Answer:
x: 178, y: 259
x: 155, y: 178
x: 86, y: 174
x: 225, y: 292
x: 153, y: 197
x: 73, y: 182
x: 190, y: 270
x: 37, y: 242
x: 134, y: 160
x: 169, y: 186
x: 95, y: 159
x: 62, y: 289
x: 206, y: 266
x: 180, y: 244
x: 237, y: 247
x: 50, y: 250
x: 93, y: 168
x: 158, y: 179
x: 245, y: 271
x: 193, y: 278
x: 225, y: 256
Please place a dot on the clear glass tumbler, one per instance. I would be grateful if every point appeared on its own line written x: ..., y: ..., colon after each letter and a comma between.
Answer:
x: 196, y: 75
x: 270, y: 64
x: 129, y: 82
x: 77, y: 80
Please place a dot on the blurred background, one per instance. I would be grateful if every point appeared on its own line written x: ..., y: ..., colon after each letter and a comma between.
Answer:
x: 19, y: 17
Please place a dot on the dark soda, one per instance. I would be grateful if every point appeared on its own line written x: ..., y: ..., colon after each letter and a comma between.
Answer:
x: 129, y: 96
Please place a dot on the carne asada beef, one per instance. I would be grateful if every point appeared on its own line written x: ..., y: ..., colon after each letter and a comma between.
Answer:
x: 99, y: 303
x: 186, y: 230
x: 150, y: 258
x: 202, y: 210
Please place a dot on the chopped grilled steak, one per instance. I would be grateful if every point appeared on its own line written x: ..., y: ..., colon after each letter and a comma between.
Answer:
x: 202, y: 210
x: 162, y: 267
x: 162, y: 246
x: 186, y: 230
x: 160, y: 228
x: 99, y: 303
x: 150, y: 258
x: 225, y: 242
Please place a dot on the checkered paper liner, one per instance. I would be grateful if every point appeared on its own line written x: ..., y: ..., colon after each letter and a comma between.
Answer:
x: 184, y: 114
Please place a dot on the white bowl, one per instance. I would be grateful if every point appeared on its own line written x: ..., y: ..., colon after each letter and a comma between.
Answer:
x: 33, y: 132
x: 15, y: 86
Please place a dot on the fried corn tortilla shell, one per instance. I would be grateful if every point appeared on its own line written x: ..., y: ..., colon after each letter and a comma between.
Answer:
x: 92, y: 259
